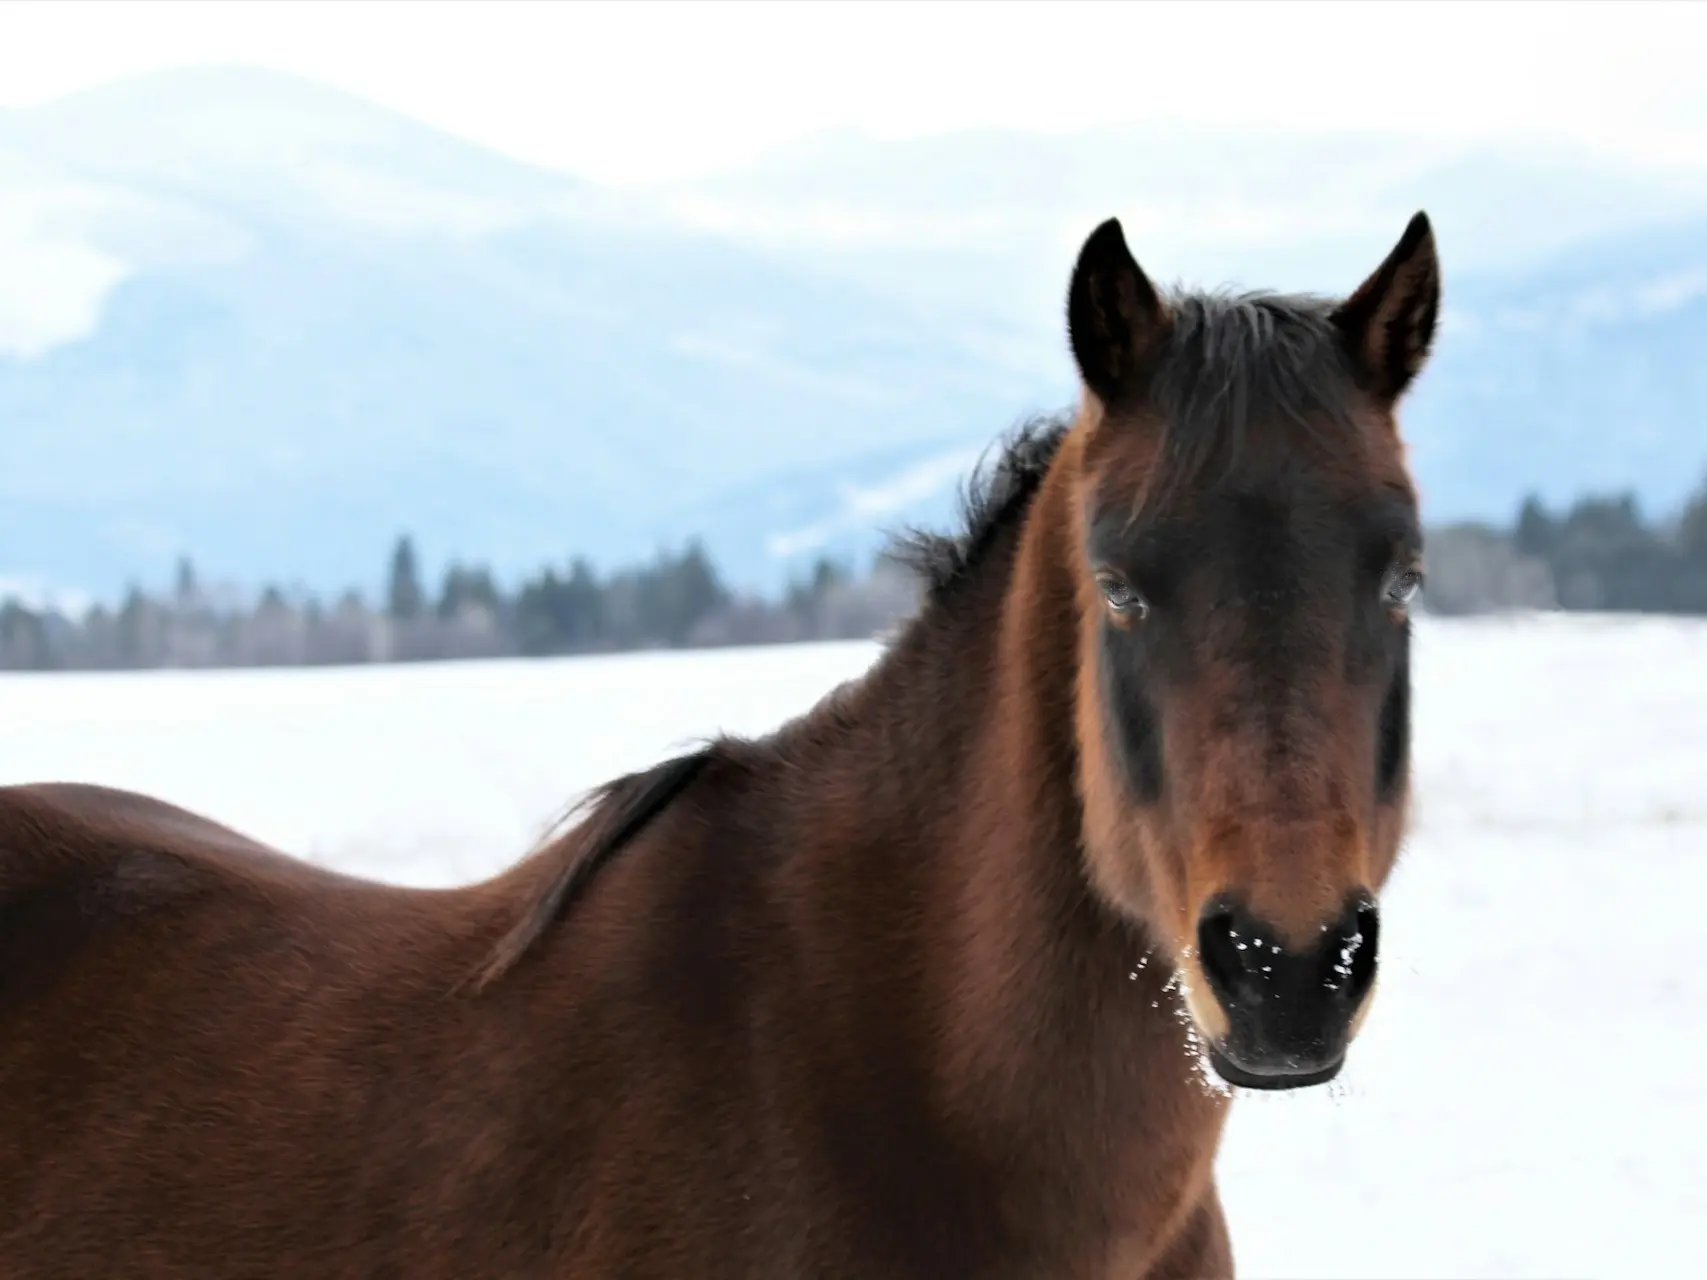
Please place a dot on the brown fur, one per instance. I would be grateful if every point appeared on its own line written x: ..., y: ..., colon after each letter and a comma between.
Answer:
x: 890, y: 993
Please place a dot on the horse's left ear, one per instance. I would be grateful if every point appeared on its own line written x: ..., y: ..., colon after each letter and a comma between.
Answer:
x: 1389, y: 322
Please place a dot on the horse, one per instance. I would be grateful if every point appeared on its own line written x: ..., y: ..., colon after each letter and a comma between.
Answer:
x: 954, y: 975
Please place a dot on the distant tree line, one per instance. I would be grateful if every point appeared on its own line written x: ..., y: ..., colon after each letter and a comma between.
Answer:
x: 1601, y: 554
x: 678, y: 600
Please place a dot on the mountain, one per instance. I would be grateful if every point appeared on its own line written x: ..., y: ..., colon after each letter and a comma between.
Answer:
x: 992, y: 217
x: 1585, y: 374
x: 266, y: 324
x: 313, y: 326
x: 1569, y: 358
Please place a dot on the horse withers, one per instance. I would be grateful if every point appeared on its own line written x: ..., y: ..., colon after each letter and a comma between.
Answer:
x: 932, y: 982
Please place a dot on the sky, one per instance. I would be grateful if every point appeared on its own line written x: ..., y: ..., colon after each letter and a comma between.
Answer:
x: 636, y: 92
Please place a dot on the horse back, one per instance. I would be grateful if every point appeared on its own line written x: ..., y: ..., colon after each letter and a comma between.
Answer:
x: 82, y: 868
x: 191, y: 1021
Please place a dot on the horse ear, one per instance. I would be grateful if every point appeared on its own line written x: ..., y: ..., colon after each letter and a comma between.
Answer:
x: 1114, y: 315
x: 1389, y: 322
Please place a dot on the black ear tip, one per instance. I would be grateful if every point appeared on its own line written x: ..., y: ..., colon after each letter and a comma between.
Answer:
x: 1417, y: 230
x: 1107, y: 239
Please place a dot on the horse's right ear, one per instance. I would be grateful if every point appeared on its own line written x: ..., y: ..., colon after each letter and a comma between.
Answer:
x: 1115, y: 317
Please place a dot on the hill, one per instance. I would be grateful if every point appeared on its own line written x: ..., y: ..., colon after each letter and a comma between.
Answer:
x: 269, y: 325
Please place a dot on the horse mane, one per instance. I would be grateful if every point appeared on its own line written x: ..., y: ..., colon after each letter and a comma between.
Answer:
x: 1240, y: 367
x: 991, y: 499
x: 1231, y: 360
x: 612, y: 815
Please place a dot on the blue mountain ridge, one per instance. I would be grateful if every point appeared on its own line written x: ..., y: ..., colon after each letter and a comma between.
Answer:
x: 515, y: 368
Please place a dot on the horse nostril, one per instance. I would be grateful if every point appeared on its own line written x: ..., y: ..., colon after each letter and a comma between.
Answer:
x: 1351, y: 954
x: 1229, y: 951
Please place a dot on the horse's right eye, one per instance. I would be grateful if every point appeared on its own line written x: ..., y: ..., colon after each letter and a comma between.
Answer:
x: 1121, y: 596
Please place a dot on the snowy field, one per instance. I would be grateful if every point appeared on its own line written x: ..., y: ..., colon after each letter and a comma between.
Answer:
x: 1527, y: 1098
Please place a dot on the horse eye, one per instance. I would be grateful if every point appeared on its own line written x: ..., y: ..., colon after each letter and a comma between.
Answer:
x: 1121, y: 597
x: 1403, y: 585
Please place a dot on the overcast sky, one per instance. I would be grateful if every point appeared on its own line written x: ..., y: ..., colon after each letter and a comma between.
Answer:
x: 636, y: 91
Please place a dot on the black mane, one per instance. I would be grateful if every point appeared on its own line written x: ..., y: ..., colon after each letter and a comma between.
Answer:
x: 1243, y: 370
x: 1231, y: 361
x: 615, y: 814
x: 991, y: 498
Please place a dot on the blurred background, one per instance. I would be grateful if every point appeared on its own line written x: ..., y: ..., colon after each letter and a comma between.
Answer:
x: 338, y: 335
x: 342, y: 332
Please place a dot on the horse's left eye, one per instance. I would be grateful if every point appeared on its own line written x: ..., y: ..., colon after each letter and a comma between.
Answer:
x: 1403, y: 585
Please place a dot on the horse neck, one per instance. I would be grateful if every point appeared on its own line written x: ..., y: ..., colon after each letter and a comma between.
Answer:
x: 1041, y: 1013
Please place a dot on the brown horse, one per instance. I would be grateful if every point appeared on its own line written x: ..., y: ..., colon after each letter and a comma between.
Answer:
x: 930, y: 983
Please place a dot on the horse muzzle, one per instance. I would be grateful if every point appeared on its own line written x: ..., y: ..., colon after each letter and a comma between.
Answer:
x: 1290, y: 1011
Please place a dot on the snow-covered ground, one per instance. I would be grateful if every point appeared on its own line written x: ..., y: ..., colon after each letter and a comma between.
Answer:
x: 1527, y: 1097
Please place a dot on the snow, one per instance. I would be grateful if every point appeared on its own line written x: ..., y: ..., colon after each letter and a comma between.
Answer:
x: 1525, y: 1099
